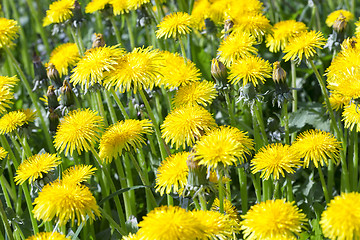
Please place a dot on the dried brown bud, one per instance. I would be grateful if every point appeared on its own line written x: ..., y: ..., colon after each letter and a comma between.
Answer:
x: 98, y: 41
x: 218, y: 71
x: 53, y: 75
x: 279, y: 73
x: 340, y: 23
x: 228, y: 26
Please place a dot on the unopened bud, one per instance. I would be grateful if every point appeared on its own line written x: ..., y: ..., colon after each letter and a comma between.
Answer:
x: 53, y: 120
x: 228, y: 26
x: 52, y: 98
x: 218, y: 71
x: 98, y: 41
x: 340, y: 23
x: 67, y: 94
x: 53, y: 75
x: 279, y: 73
x: 40, y: 78
x: 77, y: 14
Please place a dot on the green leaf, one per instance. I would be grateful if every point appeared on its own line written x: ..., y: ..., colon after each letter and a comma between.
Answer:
x: 121, y: 191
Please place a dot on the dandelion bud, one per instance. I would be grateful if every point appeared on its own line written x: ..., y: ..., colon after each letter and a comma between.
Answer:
x: 218, y: 71
x: 340, y: 23
x: 53, y: 75
x: 190, y: 161
x: 228, y: 26
x: 53, y: 120
x: 197, y: 174
x: 52, y: 98
x: 77, y: 17
x: 67, y: 94
x: 39, y: 71
x: 279, y: 73
x: 98, y: 41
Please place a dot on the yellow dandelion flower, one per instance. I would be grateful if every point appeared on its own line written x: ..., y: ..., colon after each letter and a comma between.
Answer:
x: 8, y: 82
x: 341, y: 218
x: 224, y: 146
x: 253, y: 23
x: 317, y: 146
x: 78, y: 174
x: 275, y: 159
x: 65, y: 202
x: 135, y: 4
x: 131, y: 237
x: 202, y: 93
x: 48, y: 236
x: 64, y: 56
x: 216, y: 225
x: 96, y: 5
x: 304, y: 45
x: 123, y: 135
x: 8, y: 31
x: 250, y: 69
x: 30, y: 115
x: 36, y: 166
x: 6, y: 98
x: 119, y: 6
x: 229, y: 209
x: 240, y: 7
x: 204, y: 9
x: 186, y: 124
x: 79, y: 130
x: 236, y: 46
x: 273, y: 219
x: 338, y: 101
x: 351, y: 117
x: 136, y: 70
x: 11, y: 121
x: 3, y: 153
x: 346, y: 83
x: 213, y: 178
x: 174, y: 25
x: 282, y: 32
x: 174, y: 72
x: 59, y: 12
x: 172, y: 174
x: 169, y: 222
x: 332, y: 17
x: 95, y: 62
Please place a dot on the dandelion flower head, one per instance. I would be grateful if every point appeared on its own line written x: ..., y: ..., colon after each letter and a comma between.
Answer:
x: 273, y: 219
x: 172, y: 174
x: 186, y: 124
x: 282, y: 32
x: 304, y: 45
x: 317, y: 146
x: 8, y: 82
x: 169, y: 222
x: 223, y: 146
x: 48, y: 236
x: 96, y: 5
x: 95, y: 62
x: 174, y: 25
x: 65, y: 202
x: 3, y: 153
x: 8, y: 31
x: 123, y: 135
x: 275, y: 159
x: 175, y: 72
x: 236, y: 46
x: 202, y: 93
x: 131, y: 236
x: 332, y: 17
x: 135, y: 70
x: 11, y: 121
x: 59, y: 12
x: 6, y: 99
x: 36, y: 166
x: 79, y: 130
x: 338, y: 101
x: 351, y: 117
x: 229, y: 209
x: 78, y: 174
x: 135, y: 4
x: 250, y: 69
x: 65, y: 56
x: 341, y: 218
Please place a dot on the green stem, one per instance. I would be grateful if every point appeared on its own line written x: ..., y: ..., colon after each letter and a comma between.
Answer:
x: 33, y: 99
x: 120, y: 105
x: 112, y: 222
x: 30, y: 208
x: 116, y: 30
x: 101, y: 106
x: 170, y: 200
x: 182, y: 47
x: 243, y: 189
x: 202, y: 201
x: 289, y: 190
x: 294, y: 94
x: 221, y: 192
x: 77, y: 40
x: 324, y: 187
x: 110, y: 106
x: 130, y: 181
x: 277, y: 189
x: 163, y: 150
x: 24, y: 144
x: 6, y: 190
x: 338, y: 130
x: 230, y: 109
x: 145, y: 181
x: 130, y: 31
x: 260, y: 121
x: 6, y: 222
x: 286, y: 122
x: 126, y: 195
x: 267, y: 189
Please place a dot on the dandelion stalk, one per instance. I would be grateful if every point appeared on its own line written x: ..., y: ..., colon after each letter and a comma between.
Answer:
x: 286, y: 122
x: 130, y: 31
x: 77, y: 39
x: 182, y: 47
x: 294, y: 94
x: 32, y: 97
x: 110, y: 106
x: 6, y: 222
x: 112, y: 222
x: 116, y: 30
x: 120, y: 105
x: 323, y: 183
x: 334, y: 125
x: 277, y: 189
x: 243, y: 189
x: 289, y: 190
x: 221, y: 192
x: 163, y: 150
x: 101, y: 106
x: 356, y: 160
